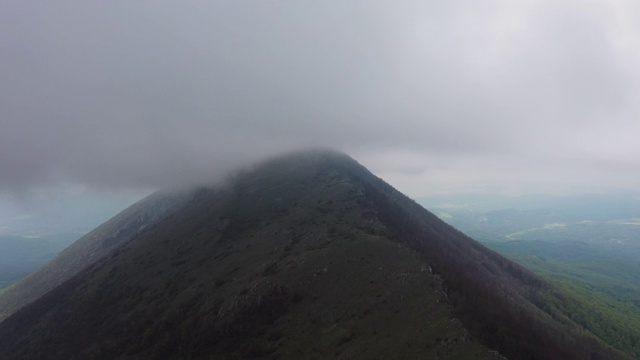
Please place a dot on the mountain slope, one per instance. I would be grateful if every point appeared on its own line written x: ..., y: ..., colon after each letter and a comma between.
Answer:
x: 309, y: 255
x: 587, y: 244
x: 21, y: 255
x: 91, y: 248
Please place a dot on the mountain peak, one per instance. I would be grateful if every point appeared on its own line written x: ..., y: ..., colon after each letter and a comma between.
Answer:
x: 294, y: 161
x: 306, y: 254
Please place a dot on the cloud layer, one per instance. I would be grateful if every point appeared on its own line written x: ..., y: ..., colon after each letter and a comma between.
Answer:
x: 434, y: 96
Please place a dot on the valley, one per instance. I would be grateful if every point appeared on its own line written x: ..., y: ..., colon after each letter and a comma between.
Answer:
x: 589, y: 245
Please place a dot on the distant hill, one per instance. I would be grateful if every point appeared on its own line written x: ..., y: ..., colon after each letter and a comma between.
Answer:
x: 306, y: 256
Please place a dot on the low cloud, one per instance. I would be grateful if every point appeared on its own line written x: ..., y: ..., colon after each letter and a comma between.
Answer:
x: 153, y: 93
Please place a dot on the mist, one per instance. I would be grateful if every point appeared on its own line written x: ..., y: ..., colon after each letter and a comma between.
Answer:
x: 533, y: 96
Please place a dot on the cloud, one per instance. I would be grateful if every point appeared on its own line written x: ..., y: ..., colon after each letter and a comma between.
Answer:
x: 155, y: 93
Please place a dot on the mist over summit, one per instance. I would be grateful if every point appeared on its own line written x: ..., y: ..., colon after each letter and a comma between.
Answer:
x: 307, y: 253
x: 529, y: 96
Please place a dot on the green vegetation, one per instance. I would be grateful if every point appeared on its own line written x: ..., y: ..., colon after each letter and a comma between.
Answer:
x: 606, y: 306
x: 309, y: 256
x: 613, y: 321
x: 268, y: 268
x: 611, y: 277
x: 588, y: 246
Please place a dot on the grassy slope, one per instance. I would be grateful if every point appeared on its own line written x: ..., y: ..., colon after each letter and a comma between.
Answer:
x: 289, y: 272
x: 606, y: 286
x: 280, y: 262
x: 511, y: 309
x: 604, y: 305
x: 599, y: 272
x: 20, y: 256
x: 89, y: 249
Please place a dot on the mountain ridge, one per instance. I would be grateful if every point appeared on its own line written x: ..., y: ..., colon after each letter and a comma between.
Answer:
x: 91, y: 248
x: 259, y: 248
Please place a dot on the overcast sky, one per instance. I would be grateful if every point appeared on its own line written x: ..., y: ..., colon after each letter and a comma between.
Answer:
x: 433, y: 96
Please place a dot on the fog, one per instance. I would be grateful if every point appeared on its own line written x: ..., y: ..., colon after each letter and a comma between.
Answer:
x: 434, y: 97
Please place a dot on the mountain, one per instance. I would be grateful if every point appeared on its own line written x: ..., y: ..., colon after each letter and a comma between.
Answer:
x: 589, y: 244
x: 33, y: 232
x: 305, y: 256
x: 90, y: 248
x: 21, y: 255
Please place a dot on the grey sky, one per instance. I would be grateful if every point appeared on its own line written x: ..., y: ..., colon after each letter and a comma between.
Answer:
x: 431, y: 95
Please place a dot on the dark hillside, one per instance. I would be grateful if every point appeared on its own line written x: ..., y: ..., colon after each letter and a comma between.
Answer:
x: 20, y: 255
x: 306, y: 256
x: 91, y: 248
